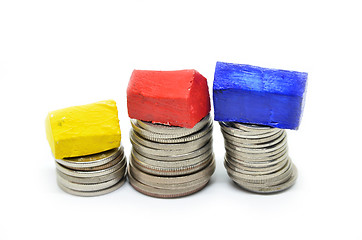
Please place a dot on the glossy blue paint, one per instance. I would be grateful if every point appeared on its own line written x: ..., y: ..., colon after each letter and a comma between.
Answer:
x: 249, y: 94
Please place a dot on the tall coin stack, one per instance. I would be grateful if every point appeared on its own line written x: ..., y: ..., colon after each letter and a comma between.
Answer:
x: 92, y: 175
x: 257, y: 157
x: 168, y: 161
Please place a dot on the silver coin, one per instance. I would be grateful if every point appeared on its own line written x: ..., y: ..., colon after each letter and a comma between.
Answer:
x: 247, y: 127
x: 88, y: 187
x: 188, y: 138
x: 172, y: 162
x: 167, y: 152
x: 78, y: 173
x: 281, y: 179
x: 93, y: 193
x: 260, y: 178
x: 176, y: 187
x: 242, y: 134
x: 171, y: 172
x: 171, y: 146
x: 174, y: 157
x: 101, y: 167
x: 92, y: 160
x: 99, y: 179
x: 152, y: 135
x: 275, y: 188
x: 243, y: 163
x: 163, y: 193
x: 261, y: 145
x: 206, y: 172
x: 164, y: 131
x: 252, y: 141
x: 167, y: 168
x: 255, y: 170
x: 170, y: 185
x: 256, y: 157
x: 262, y: 150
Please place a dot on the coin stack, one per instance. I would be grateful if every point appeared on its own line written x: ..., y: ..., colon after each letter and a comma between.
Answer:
x: 168, y: 161
x: 257, y: 157
x: 92, y: 175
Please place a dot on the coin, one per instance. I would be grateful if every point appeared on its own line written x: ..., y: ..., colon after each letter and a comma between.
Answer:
x: 165, y: 168
x: 187, y: 138
x: 165, y: 131
x: 89, y: 186
x: 92, y: 160
x: 164, y: 193
x: 173, y: 157
x: 93, y: 193
x: 258, y: 163
x: 97, y: 179
x: 144, y: 177
x: 255, y: 170
x: 272, y: 188
x: 172, y: 146
x: 170, y: 151
x: 101, y: 167
x: 253, y: 141
x: 79, y: 173
x: 172, y: 162
x: 227, y: 127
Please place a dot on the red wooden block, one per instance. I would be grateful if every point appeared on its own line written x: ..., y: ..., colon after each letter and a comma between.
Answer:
x: 177, y: 98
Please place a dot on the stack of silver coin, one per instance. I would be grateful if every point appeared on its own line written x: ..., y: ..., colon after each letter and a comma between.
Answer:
x: 92, y: 175
x: 168, y: 161
x: 257, y: 157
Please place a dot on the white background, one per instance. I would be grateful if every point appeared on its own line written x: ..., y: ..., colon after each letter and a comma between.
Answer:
x: 56, y: 54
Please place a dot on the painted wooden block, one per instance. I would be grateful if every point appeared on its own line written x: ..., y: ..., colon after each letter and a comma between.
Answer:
x: 83, y: 130
x: 177, y: 98
x: 250, y: 94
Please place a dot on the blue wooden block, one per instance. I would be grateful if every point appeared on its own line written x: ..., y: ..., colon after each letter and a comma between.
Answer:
x: 249, y: 94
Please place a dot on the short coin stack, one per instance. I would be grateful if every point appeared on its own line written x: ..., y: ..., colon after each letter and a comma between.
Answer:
x: 257, y: 157
x: 169, y: 161
x: 92, y: 175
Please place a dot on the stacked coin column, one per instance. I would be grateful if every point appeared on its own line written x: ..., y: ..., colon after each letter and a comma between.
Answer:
x: 171, y: 161
x: 253, y: 106
x: 92, y: 175
x: 86, y: 144
x: 171, y: 132
x: 257, y: 157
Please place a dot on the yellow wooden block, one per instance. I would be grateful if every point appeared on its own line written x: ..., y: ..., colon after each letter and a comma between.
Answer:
x: 82, y: 130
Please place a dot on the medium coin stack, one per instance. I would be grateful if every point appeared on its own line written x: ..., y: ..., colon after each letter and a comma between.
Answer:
x: 92, y: 175
x: 168, y: 161
x: 257, y: 157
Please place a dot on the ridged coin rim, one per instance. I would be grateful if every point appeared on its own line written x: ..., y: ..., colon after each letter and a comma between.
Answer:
x: 207, y: 171
x: 77, y: 173
x: 154, y: 192
x: 90, y: 180
x: 164, y: 130
x: 90, y: 187
x: 87, y: 161
x: 94, y: 193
